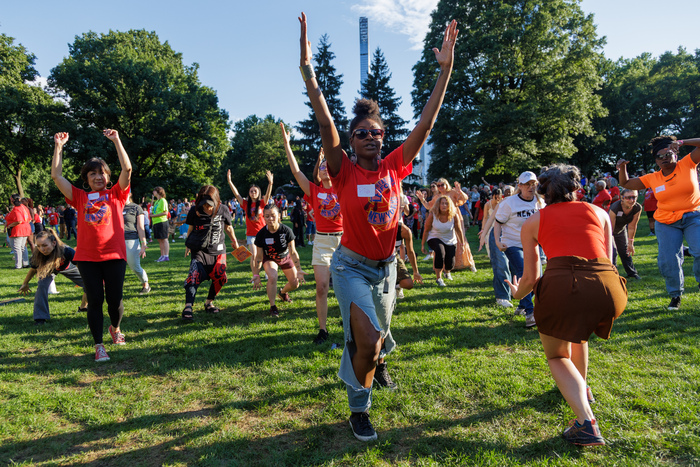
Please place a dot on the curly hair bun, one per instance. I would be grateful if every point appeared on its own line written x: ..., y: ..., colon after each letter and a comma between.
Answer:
x: 366, y: 108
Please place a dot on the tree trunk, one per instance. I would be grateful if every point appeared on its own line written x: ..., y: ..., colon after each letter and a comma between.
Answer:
x: 18, y: 182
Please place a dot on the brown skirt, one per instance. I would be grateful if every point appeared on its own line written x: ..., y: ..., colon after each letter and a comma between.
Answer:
x: 577, y: 297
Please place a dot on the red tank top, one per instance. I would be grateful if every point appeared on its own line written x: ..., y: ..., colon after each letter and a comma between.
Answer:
x: 571, y: 229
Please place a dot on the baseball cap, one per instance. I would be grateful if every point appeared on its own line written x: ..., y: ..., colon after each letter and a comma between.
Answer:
x: 526, y: 177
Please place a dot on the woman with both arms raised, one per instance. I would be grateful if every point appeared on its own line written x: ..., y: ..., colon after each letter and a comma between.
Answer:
x: 363, y: 267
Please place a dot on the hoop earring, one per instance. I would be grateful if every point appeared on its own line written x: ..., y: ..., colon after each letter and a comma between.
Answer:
x: 109, y: 185
x: 86, y: 187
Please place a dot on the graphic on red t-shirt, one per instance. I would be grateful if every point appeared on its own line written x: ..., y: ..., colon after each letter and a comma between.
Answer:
x: 382, y: 206
x: 97, y: 211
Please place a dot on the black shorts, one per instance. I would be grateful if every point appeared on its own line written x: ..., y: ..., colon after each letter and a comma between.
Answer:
x: 650, y: 214
x: 160, y: 231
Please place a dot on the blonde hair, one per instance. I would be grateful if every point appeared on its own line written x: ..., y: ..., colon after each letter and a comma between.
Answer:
x: 46, y: 264
x: 451, y: 209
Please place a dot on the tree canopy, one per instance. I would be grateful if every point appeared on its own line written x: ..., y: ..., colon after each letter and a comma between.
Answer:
x: 523, y: 85
x: 130, y: 81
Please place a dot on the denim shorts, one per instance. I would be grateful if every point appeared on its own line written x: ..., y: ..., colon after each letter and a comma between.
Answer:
x: 372, y: 290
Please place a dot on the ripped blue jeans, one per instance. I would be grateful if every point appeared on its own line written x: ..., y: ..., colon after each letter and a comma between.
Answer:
x: 372, y: 290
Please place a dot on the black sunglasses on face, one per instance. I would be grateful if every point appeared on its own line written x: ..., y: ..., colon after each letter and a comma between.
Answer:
x: 362, y: 133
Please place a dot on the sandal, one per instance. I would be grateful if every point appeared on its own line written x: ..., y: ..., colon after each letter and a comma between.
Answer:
x: 210, y: 308
x: 82, y: 310
x: 187, y: 314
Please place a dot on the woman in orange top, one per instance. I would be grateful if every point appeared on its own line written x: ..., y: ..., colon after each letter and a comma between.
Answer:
x: 580, y: 292
x: 678, y: 210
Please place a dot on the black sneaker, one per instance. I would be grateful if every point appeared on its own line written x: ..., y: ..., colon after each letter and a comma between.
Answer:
x: 587, y: 434
x: 361, y: 426
x: 274, y: 312
x: 382, y: 378
x: 39, y: 322
x: 321, y: 337
x: 675, y: 303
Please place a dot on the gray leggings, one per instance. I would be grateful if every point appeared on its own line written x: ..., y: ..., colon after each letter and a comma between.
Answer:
x: 41, y: 298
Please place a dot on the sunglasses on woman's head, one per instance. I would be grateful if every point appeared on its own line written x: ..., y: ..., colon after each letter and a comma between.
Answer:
x: 362, y: 133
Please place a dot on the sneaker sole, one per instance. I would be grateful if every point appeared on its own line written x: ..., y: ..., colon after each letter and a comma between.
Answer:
x: 363, y: 438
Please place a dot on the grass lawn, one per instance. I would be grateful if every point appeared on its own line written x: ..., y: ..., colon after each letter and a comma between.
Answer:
x: 241, y: 388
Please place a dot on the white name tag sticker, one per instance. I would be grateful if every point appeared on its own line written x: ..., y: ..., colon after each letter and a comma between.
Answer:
x: 322, y: 195
x: 619, y: 214
x: 93, y: 196
x: 659, y: 189
x: 366, y: 191
x: 269, y: 241
x: 220, y: 247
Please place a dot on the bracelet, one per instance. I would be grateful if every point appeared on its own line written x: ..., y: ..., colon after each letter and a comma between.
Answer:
x: 307, y: 72
x: 680, y: 142
x: 256, y: 276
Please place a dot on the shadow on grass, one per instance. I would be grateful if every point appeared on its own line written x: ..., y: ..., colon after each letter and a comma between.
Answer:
x: 319, y: 443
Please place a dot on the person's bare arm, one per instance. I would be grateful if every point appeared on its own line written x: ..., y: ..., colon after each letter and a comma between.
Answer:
x: 64, y: 186
x: 624, y: 180
x: 125, y: 175
x: 520, y: 287
x: 408, y: 241
x: 233, y: 188
x: 231, y: 235
x: 293, y: 165
x: 268, y: 192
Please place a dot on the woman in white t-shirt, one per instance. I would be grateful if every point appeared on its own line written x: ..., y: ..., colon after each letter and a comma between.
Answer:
x: 444, y: 234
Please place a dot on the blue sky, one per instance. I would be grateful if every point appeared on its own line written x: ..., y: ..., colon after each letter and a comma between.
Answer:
x: 249, y: 51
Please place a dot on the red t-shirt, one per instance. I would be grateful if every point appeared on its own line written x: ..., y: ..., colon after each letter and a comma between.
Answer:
x: 369, y: 202
x: 53, y: 218
x: 324, y: 203
x: 22, y: 215
x: 602, y: 200
x: 100, y: 223
x: 649, y: 200
x: 257, y: 222
x: 571, y: 229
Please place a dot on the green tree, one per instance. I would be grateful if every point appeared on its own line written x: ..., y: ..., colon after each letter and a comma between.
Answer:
x: 377, y: 88
x: 256, y: 147
x: 28, y: 115
x: 644, y: 97
x: 523, y: 85
x: 171, y: 125
x: 329, y: 82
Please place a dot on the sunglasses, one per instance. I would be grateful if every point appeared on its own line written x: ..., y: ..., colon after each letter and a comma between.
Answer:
x: 629, y: 197
x: 441, y: 184
x: 362, y: 133
x: 666, y: 154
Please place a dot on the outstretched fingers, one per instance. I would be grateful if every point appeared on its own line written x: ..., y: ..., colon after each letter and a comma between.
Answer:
x: 446, y: 54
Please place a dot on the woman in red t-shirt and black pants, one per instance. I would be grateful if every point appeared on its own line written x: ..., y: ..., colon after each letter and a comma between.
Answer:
x: 363, y: 267
x: 101, y: 251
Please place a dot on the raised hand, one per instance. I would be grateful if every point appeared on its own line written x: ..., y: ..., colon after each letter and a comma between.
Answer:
x: 304, y: 44
x: 60, y: 139
x: 228, y: 175
x: 621, y: 163
x: 285, y: 134
x: 458, y: 187
x: 445, y: 56
x: 268, y: 175
x: 112, y: 135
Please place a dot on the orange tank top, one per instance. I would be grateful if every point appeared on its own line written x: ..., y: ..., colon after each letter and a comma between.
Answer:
x: 571, y: 229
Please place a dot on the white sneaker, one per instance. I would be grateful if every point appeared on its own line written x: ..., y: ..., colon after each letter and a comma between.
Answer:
x: 472, y: 268
x: 448, y: 276
x: 427, y: 258
x: 504, y: 303
x: 52, y: 288
x: 520, y: 311
x: 399, y: 293
x: 440, y: 282
x: 173, y: 240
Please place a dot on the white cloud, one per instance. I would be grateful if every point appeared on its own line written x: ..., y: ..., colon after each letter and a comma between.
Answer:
x: 408, y: 17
